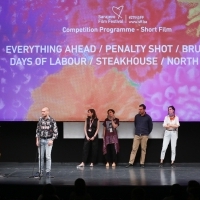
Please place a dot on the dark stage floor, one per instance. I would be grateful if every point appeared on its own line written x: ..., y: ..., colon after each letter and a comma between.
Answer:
x: 99, y: 175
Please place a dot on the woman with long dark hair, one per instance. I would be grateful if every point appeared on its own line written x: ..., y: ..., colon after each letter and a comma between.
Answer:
x: 171, y: 124
x: 110, y: 138
x: 91, y: 129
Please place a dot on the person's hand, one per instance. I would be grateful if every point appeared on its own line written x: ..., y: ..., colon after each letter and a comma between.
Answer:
x: 87, y: 138
x: 37, y: 143
x: 92, y: 138
x: 50, y: 142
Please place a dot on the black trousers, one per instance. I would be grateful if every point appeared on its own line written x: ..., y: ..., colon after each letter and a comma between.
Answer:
x: 86, y: 148
x: 111, y: 155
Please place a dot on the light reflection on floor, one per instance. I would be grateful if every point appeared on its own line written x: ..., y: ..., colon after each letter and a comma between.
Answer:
x: 99, y: 175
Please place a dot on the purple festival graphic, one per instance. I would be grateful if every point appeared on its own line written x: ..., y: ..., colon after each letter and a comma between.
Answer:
x: 72, y: 55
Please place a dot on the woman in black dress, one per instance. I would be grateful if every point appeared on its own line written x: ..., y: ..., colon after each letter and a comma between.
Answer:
x: 91, y: 129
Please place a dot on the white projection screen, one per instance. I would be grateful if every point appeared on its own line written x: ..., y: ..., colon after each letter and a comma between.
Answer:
x: 126, y: 130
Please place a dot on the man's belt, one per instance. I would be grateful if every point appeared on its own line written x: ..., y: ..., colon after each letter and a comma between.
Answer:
x: 45, y: 137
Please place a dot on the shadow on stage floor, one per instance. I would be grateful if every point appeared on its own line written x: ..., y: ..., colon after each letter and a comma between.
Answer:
x: 101, y: 181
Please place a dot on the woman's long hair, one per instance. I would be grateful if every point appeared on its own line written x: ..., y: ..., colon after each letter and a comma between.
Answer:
x: 94, y: 115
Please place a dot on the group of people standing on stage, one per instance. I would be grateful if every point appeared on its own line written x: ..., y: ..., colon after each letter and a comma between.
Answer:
x: 47, y: 131
x: 143, y: 127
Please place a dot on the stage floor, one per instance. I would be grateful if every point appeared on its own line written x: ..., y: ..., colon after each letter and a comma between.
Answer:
x: 99, y: 175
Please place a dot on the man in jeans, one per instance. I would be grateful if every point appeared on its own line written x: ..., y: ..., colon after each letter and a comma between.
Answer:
x: 46, y: 133
x: 143, y: 127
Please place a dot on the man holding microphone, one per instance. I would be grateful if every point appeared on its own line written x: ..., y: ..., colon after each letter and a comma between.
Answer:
x: 46, y: 133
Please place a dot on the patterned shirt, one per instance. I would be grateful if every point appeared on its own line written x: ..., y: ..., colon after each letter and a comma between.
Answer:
x: 47, y: 128
x: 111, y: 136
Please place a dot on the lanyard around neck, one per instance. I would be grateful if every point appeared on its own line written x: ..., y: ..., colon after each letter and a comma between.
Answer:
x: 91, y: 122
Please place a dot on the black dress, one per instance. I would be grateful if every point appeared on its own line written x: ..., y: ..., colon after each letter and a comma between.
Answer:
x: 91, y: 128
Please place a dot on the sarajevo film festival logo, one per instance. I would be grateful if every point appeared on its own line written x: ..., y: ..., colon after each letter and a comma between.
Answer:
x: 117, y: 11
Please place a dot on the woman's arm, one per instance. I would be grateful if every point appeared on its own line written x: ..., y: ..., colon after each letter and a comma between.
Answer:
x: 104, y: 132
x: 174, y: 126
x: 114, y: 125
x: 165, y: 125
x: 96, y: 131
x: 177, y: 124
x: 85, y: 130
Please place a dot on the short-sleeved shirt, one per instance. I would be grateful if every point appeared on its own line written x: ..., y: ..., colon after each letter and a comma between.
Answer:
x: 108, y: 125
x: 111, y: 136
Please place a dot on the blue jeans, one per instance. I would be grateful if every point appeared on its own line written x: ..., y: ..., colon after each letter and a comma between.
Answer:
x: 45, y: 148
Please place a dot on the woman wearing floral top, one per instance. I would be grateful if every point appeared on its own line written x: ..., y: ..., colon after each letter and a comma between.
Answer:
x: 110, y: 138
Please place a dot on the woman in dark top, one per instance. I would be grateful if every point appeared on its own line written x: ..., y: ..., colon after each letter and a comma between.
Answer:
x: 91, y: 129
x: 110, y: 138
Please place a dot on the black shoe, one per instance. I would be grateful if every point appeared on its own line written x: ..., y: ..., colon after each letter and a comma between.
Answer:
x: 161, y: 165
x: 173, y: 165
x: 129, y: 165
x: 142, y: 165
x: 38, y: 175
